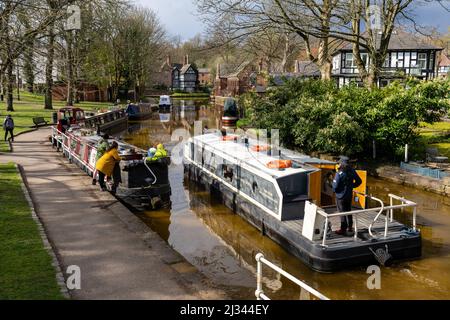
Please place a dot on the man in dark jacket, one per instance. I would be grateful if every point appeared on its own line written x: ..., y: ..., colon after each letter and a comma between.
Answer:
x: 344, y: 182
x: 8, y: 126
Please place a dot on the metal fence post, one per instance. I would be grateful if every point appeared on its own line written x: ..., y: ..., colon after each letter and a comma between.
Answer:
x: 259, y: 289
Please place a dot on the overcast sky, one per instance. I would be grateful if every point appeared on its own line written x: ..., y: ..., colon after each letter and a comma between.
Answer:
x: 178, y: 16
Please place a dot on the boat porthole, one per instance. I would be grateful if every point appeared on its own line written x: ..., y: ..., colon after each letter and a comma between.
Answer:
x: 254, y: 186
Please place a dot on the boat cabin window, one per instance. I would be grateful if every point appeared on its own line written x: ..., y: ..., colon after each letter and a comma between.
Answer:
x: 79, y: 115
x: 227, y: 172
x: 294, y: 187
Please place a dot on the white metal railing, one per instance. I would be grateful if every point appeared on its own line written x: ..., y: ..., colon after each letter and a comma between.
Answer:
x: 60, y: 137
x: 260, y: 295
x: 389, y: 215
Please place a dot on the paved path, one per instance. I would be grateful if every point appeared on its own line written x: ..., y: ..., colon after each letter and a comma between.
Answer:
x: 119, y: 257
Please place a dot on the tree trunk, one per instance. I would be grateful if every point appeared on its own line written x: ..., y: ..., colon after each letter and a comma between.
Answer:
x: 325, y: 71
x: 70, y: 71
x: 18, y: 80
x: 28, y: 65
x: 28, y: 69
x: 49, y: 69
x: 9, y: 86
x: 371, y: 78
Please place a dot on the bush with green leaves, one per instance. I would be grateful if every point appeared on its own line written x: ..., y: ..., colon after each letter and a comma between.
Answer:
x: 315, y: 116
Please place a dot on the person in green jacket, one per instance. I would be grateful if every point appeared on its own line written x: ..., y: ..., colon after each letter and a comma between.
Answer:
x: 102, y: 146
x: 159, y: 154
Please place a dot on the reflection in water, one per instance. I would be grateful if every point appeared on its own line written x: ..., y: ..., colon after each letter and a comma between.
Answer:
x: 223, y: 246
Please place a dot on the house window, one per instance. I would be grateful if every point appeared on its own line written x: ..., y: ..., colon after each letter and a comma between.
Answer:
x: 349, y: 62
x: 400, y: 60
x: 365, y: 59
x: 394, y: 60
x: 422, y: 60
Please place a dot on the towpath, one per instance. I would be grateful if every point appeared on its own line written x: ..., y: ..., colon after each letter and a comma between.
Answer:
x: 118, y: 255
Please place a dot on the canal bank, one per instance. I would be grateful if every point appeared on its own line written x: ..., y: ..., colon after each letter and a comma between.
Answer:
x: 399, y: 176
x: 119, y: 256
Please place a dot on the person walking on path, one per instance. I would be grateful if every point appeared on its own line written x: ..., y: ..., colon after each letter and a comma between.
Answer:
x: 106, y: 164
x: 344, y: 182
x: 8, y: 126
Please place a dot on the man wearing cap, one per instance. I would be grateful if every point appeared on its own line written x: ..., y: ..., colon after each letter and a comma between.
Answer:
x: 344, y: 182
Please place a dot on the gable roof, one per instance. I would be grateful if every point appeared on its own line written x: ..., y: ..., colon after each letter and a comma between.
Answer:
x: 401, y: 40
x: 185, y: 68
x: 307, y: 68
x: 204, y: 70
x: 238, y: 70
x: 445, y: 61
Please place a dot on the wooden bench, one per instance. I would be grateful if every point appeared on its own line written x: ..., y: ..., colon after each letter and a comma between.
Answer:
x: 39, y: 121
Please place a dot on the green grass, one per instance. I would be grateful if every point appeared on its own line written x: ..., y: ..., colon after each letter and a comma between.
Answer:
x: 436, y: 135
x: 32, y: 105
x: 26, y: 270
x: 435, y: 127
x: 191, y: 95
x: 4, y: 146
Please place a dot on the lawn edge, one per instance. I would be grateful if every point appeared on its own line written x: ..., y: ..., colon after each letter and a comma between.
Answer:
x: 47, y: 244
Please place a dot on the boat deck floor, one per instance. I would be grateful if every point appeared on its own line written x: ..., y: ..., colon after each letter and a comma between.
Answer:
x: 364, y: 220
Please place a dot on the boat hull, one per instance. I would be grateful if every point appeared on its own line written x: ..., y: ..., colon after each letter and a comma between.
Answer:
x: 317, y: 257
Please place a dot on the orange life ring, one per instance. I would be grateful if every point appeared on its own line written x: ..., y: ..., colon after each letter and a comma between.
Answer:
x: 229, y: 138
x: 279, y: 164
x: 260, y: 148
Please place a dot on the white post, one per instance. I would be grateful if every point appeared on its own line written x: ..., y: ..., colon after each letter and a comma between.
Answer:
x: 391, y: 202
x: 414, y: 218
x: 386, y: 225
x: 406, y: 153
x: 325, y: 232
x: 259, y: 289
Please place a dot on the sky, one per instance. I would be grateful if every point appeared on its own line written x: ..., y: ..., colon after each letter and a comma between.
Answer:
x: 179, y: 16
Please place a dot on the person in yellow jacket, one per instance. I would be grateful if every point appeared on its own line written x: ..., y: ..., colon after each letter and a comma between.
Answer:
x: 105, y: 166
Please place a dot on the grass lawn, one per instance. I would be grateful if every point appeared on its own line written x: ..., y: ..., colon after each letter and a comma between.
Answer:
x: 180, y: 95
x: 26, y: 270
x: 32, y: 105
x: 4, y: 146
x: 436, y: 135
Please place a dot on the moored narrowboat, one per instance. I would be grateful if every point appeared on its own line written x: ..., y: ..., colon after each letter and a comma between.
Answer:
x: 109, y: 122
x: 140, y: 111
x: 144, y: 182
x: 287, y: 196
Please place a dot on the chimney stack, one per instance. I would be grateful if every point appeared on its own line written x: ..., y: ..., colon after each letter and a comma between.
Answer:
x: 218, y: 71
x: 168, y: 61
x: 186, y: 59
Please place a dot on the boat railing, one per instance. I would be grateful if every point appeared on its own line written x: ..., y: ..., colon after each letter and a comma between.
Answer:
x: 58, y: 140
x: 260, y: 295
x: 389, y: 216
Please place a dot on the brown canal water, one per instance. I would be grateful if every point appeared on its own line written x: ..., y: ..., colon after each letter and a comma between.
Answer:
x: 223, y: 246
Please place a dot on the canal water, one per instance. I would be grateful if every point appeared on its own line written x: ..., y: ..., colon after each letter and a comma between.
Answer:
x: 223, y: 246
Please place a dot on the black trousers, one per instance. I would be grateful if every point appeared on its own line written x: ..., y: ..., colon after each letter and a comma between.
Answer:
x: 345, y: 205
x: 101, y: 179
x: 116, y: 178
x: 10, y: 132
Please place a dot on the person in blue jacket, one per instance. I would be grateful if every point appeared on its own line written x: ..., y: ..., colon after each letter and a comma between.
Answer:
x: 344, y: 182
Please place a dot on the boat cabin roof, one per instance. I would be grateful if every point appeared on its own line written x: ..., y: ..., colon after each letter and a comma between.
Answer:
x: 259, y: 160
x: 70, y: 109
